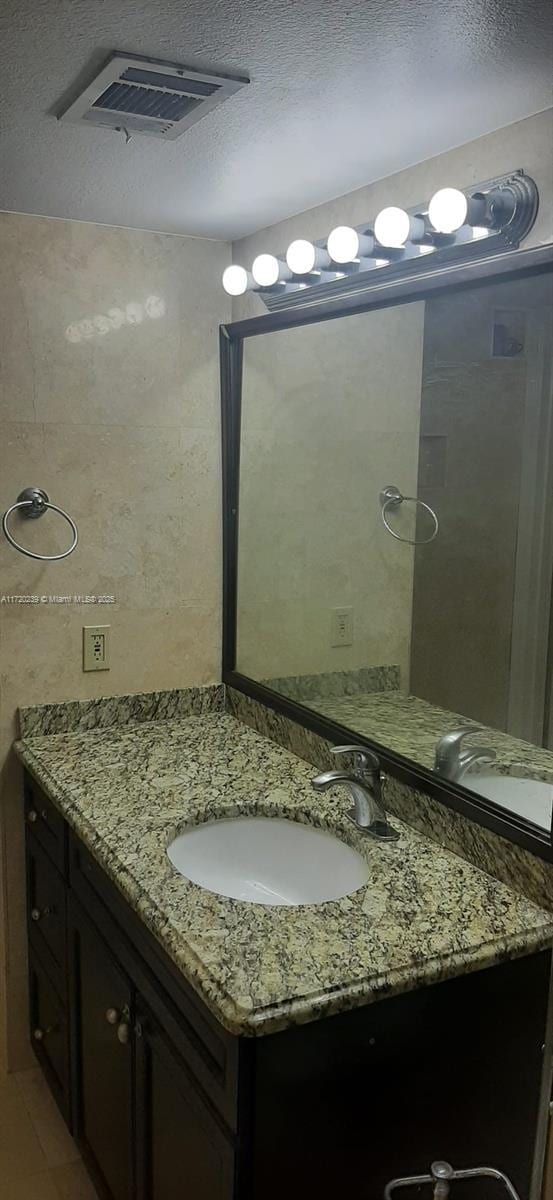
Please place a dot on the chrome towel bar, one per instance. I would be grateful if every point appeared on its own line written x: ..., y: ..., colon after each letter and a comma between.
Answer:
x: 32, y: 503
x: 391, y: 498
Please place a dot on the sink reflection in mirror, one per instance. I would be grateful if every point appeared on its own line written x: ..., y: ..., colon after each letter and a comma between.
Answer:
x: 436, y: 415
x: 520, y: 794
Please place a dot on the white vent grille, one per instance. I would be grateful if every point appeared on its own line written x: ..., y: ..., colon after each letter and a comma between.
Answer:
x: 142, y: 95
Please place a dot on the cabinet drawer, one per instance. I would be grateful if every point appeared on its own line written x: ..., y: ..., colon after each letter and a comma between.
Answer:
x: 46, y: 907
x: 46, y: 822
x: 49, y: 1032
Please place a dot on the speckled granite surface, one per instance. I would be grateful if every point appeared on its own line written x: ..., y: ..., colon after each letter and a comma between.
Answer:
x: 426, y: 915
x: 75, y: 715
x: 521, y: 870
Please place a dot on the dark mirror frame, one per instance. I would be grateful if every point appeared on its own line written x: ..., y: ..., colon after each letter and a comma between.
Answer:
x: 383, y: 293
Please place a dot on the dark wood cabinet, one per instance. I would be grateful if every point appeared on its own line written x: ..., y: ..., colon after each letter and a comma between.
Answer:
x: 140, y: 1119
x: 49, y: 1030
x: 101, y: 1009
x: 46, y: 896
x: 183, y: 1152
x: 167, y: 1105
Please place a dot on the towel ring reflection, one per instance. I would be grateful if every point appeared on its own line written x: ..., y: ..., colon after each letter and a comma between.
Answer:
x: 391, y: 498
x: 33, y: 502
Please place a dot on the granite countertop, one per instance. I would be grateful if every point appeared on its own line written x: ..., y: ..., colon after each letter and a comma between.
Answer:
x: 426, y: 914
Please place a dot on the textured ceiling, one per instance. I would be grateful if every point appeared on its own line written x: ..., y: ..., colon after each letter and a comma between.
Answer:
x: 343, y: 92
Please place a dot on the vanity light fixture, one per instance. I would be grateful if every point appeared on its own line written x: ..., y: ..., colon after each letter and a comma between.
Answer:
x: 237, y: 281
x: 267, y: 270
x: 450, y: 209
x: 456, y: 224
x: 395, y: 227
x: 346, y: 244
x: 304, y: 257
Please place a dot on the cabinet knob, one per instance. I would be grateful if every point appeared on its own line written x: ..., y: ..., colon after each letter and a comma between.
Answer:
x: 123, y: 1033
x: 39, y: 1034
x: 32, y: 815
x: 37, y: 913
x: 112, y: 1016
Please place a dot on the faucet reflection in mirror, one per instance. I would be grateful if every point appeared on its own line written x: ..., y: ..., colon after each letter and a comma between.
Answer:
x: 453, y: 759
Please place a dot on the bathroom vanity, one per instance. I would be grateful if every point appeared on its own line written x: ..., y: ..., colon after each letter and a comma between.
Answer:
x: 215, y: 1049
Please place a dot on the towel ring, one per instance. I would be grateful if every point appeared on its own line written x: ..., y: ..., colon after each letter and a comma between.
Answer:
x: 33, y: 503
x: 390, y: 498
x: 441, y: 1174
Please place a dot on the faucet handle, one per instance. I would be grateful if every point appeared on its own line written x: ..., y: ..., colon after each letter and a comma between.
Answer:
x: 363, y: 759
x: 455, y: 736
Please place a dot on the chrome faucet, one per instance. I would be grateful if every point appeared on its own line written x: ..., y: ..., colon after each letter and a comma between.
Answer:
x: 364, y: 784
x: 452, y: 761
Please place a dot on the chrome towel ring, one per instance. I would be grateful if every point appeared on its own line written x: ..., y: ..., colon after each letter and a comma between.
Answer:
x: 390, y: 499
x: 33, y: 502
x: 441, y: 1174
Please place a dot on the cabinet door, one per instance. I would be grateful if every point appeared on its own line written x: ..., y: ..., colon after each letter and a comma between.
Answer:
x: 103, y: 1045
x: 183, y: 1152
x: 49, y: 1031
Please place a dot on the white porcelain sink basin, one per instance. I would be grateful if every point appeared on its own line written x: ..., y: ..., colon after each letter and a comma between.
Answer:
x: 531, y: 798
x: 268, y: 860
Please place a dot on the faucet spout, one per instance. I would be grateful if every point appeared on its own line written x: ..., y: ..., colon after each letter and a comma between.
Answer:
x: 364, y: 787
x: 328, y: 778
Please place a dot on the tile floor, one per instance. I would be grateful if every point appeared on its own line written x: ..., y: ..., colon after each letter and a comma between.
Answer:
x: 38, y: 1158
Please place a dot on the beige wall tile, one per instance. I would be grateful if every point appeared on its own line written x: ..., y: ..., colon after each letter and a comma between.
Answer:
x: 119, y: 420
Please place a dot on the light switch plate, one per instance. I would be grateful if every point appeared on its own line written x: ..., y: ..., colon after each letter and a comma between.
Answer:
x: 96, y: 647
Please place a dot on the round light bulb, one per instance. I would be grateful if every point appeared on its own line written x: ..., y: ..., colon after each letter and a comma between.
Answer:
x: 266, y: 270
x: 343, y: 244
x: 448, y: 210
x: 301, y: 257
x: 392, y: 227
x: 235, y: 281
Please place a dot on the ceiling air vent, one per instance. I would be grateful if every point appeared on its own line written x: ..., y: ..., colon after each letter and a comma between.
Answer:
x: 143, y: 95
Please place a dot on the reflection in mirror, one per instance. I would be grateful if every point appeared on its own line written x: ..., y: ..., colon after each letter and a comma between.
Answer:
x: 423, y: 626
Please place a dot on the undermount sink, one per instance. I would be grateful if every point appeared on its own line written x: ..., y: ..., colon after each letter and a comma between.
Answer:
x: 531, y: 798
x: 268, y: 860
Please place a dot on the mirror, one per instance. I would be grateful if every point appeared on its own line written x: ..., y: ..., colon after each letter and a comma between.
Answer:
x: 395, y: 538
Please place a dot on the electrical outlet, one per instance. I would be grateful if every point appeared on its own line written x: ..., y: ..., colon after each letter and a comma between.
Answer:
x: 96, y: 647
x: 341, y: 627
